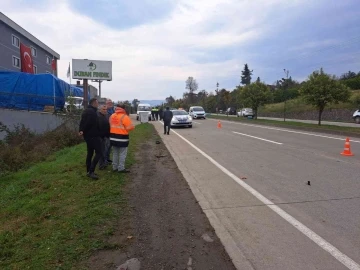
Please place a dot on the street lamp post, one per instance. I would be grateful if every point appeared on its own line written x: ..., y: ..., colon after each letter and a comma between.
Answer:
x: 285, y: 90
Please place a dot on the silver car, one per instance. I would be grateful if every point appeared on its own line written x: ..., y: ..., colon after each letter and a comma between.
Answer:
x: 245, y: 112
x: 181, y: 119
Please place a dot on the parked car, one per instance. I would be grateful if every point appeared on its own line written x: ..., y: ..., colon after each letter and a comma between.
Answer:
x: 197, y: 112
x: 245, y: 112
x: 180, y: 119
x: 356, y: 116
x: 231, y: 111
x: 143, y: 107
x: 74, y: 103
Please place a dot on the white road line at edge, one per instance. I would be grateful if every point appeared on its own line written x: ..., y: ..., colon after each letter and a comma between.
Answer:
x: 337, y: 254
x: 197, y: 123
x: 256, y: 137
x: 286, y: 130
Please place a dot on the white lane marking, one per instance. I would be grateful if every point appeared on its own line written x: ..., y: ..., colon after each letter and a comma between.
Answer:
x: 290, y: 131
x: 197, y: 123
x: 256, y: 137
x: 321, y: 242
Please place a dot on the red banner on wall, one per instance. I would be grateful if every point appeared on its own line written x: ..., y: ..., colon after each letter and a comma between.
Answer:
x: 26, y: 59
x: 53, y: 64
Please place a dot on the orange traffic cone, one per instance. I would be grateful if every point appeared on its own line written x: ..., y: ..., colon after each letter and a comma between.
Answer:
x: 219, y: 124
x: 347, y: 151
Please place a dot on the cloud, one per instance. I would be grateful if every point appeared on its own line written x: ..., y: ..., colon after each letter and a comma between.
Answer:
x: 153, y: 52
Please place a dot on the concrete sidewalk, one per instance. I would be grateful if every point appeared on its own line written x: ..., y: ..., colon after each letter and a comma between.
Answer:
x: 341, y: 124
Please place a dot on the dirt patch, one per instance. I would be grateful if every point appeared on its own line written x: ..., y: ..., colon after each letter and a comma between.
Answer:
x: 165, y: 227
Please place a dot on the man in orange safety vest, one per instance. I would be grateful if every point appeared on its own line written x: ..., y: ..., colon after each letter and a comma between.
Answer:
x: 120, y: 126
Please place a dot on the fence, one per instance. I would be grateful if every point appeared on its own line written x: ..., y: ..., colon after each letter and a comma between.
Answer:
x: 31, y: 102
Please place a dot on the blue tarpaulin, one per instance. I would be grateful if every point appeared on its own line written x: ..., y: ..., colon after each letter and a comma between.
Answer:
x: 33, y: 92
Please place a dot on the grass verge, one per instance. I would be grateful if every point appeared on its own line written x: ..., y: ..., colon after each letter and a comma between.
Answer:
x: 53, y: 217
x: 347, y: 131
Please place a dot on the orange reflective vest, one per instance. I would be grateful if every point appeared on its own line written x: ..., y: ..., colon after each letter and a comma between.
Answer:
x: 120, y: 125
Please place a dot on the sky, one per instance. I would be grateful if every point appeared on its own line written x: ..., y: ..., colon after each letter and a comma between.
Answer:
x: 155, y: 45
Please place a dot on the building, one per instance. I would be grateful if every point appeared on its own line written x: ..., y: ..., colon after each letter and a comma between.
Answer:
x: 11, y: 35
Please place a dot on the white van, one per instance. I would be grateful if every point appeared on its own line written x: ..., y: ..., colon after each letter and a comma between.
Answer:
x: 143, y: 107
x: 197, y: 112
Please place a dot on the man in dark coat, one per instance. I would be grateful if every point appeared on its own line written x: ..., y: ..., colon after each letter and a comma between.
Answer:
x: 110, y: 111
x: 161, y: 112
x: 89, y: 128
x: 104, y: 127
x: 168, y: 115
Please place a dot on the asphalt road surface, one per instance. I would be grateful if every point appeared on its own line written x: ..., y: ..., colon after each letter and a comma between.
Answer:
x: 252, y: 183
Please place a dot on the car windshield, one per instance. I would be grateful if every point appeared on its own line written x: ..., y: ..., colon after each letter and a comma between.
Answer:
x: 144, y: 108
x: 198, y: 109
x: 179, y: 113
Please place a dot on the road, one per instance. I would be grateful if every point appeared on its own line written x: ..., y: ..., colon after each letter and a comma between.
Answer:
x: 341, y: 124
x: 252, y: 183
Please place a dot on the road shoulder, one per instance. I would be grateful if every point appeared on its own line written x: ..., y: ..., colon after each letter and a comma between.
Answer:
x: 164, y: 228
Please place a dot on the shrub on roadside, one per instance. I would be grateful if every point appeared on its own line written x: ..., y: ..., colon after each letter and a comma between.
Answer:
x: 22, y: 147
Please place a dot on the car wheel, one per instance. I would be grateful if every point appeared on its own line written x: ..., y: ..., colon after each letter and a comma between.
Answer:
x: 137, y: 118
x: 190, y: 126
x: 357, y: 119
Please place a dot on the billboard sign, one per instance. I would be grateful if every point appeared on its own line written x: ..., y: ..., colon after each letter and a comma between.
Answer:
x: 91, y: 69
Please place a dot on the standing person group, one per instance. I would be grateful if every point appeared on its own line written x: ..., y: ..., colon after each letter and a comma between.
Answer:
x: 155, y: 113
x: 102, y: 130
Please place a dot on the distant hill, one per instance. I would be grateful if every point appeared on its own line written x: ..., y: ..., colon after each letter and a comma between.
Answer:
x: 152, y: 102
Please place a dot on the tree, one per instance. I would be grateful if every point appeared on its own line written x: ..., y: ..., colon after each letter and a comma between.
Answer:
x: 255, y: 95
x: 170, y: 100
x: 258, y: 79
x: 192, y: 86
x: 134, y: 103
x: 348, y: 75
x: 202, y: 95
x: 246, y: 75
x: 227, y: 99
x: 322, y: 89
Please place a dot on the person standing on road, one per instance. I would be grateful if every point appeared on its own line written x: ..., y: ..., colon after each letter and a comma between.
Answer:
x: 153, y: 114
x: 89, y: 128
x: 161, y: 111
x: 168, y: 115
x: 104, y: 127
x: 120, y: 126
x: 110, y: 111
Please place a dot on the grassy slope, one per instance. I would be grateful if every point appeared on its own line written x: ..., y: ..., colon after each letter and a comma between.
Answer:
x: 298, y: 105
x: 52, y: 216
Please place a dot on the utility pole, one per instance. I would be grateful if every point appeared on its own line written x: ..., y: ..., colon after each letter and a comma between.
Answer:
x: 217, y: 97
x: 286, y: 82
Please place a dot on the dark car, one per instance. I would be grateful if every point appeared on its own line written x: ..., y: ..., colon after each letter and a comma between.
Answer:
x: 231, y: 111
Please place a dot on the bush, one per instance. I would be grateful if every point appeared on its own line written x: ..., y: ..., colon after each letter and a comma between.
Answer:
x: 22, y: 147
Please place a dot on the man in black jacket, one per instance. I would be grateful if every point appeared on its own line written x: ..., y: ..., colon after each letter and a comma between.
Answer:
x: 89, y: 128
x: 168, y: 115
x: 104, y: 127
x: 161, y: 113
